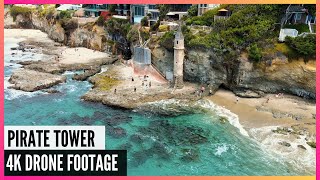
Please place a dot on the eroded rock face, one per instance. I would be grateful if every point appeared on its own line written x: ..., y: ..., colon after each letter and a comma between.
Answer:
x: 30, y: 80
x: 245, y: 78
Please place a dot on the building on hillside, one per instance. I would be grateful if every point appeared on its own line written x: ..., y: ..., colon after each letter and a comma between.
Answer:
x: 94, y: 10
x: 177, y: 11
x: 65, y: 7
x: 297, y: 14
x: 139, y: 11
x: 122, y: 11
x: 222, y: 14
x: 202, y: 8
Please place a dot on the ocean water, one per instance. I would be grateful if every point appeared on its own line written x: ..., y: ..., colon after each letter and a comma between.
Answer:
x: 193, y: 144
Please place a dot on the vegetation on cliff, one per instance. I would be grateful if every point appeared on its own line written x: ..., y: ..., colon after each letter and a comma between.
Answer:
x: 304, y: 45
x: 249, y: 28
x: 19, y: 10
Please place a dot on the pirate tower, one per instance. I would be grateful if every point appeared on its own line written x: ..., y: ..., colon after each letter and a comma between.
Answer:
x: 178, y: 59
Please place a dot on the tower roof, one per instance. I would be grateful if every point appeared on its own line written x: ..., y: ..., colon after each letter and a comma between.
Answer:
x: 179, y: 34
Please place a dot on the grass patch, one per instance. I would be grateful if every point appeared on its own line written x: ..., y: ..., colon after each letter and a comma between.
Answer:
x: 286, y: 50
x: 105, y: 83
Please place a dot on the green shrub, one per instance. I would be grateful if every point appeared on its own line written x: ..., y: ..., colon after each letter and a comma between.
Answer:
x: 193, y: 11
x: 24, y: 11
x: 65, y: 14
x: 100, y: 21
x: 255, y: 53
x: 47, y: 11
x: 163, y: 28
x: 166, y: 40
x: 144, y: 21
x: 304, y: 45
x: 118, y: 26
x: 155, y: 26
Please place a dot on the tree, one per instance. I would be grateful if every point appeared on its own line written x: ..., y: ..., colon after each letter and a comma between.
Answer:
x: 144, y: 21
x: 255, y: 53
x: 112, y: 8
x: 100, y: 21
x: 305, y: 45
x: 193, y: 11
x: 163, y: 10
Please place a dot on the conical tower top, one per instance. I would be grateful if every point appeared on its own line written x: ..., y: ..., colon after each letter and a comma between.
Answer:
x: 179, y: 34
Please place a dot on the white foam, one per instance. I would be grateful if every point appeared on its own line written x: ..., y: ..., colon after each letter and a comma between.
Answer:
x: 206, y: 104
x: 221, y: 149
x: 10, y: 94
x: 302, y: 159
x: 221, y: 111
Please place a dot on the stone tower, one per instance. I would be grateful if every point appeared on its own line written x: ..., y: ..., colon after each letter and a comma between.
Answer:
x: 178, y: 59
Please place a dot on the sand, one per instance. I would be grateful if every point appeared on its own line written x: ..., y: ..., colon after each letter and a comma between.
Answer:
x: 250, y: 117
x: 260, y: 125
x: 64, y: 54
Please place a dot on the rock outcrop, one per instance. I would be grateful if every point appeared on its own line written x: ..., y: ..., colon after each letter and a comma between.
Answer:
x: 244, y: 78
x: 30, y: 80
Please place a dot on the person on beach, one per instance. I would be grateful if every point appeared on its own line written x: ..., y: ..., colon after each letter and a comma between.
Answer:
x: 202, y: 89
x: 115, y: 91
x: 267, y: 100
x: 150, y: 84
x: 135, y: 89
x: 142, y: 83
x: 237, y: 100
x: 132, y: 79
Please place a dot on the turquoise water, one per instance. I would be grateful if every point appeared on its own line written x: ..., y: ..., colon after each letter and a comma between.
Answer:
x: 195, y: 144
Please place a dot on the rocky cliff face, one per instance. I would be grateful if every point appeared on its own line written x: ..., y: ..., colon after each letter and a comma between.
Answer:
x: 244, y: 78
x: 92, y: 38
x: 203, y: 66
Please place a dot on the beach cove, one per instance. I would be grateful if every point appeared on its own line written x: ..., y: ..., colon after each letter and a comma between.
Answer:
x: 161, y: 128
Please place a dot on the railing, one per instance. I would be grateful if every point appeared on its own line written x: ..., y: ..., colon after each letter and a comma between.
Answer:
x: 220, y: 17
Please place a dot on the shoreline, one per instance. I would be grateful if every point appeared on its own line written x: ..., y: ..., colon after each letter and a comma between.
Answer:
x: 285, y: 136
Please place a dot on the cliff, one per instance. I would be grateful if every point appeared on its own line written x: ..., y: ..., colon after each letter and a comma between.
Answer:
x: 243, y: 77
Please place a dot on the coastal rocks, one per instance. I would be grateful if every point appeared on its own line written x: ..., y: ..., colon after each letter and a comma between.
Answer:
x: 87, y: 73
x: 116, y: 132
x: 24, y: 21
x: 245, y: 78
x: 175, y: 134
x: 190, y: 155
x: 248, y: 93
x: 30, y: 80
x: 203, y: 66
x: 302, y: 147
x: 279, y: 114
x: 51, y: 91
x: 284, y: 143
x: 312, y: 144
x: 46, y: 67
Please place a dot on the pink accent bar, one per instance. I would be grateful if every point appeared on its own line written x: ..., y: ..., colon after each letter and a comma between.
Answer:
x: 159, y: 2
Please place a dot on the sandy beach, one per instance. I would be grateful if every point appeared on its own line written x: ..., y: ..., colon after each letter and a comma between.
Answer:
x: 272, y: 124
